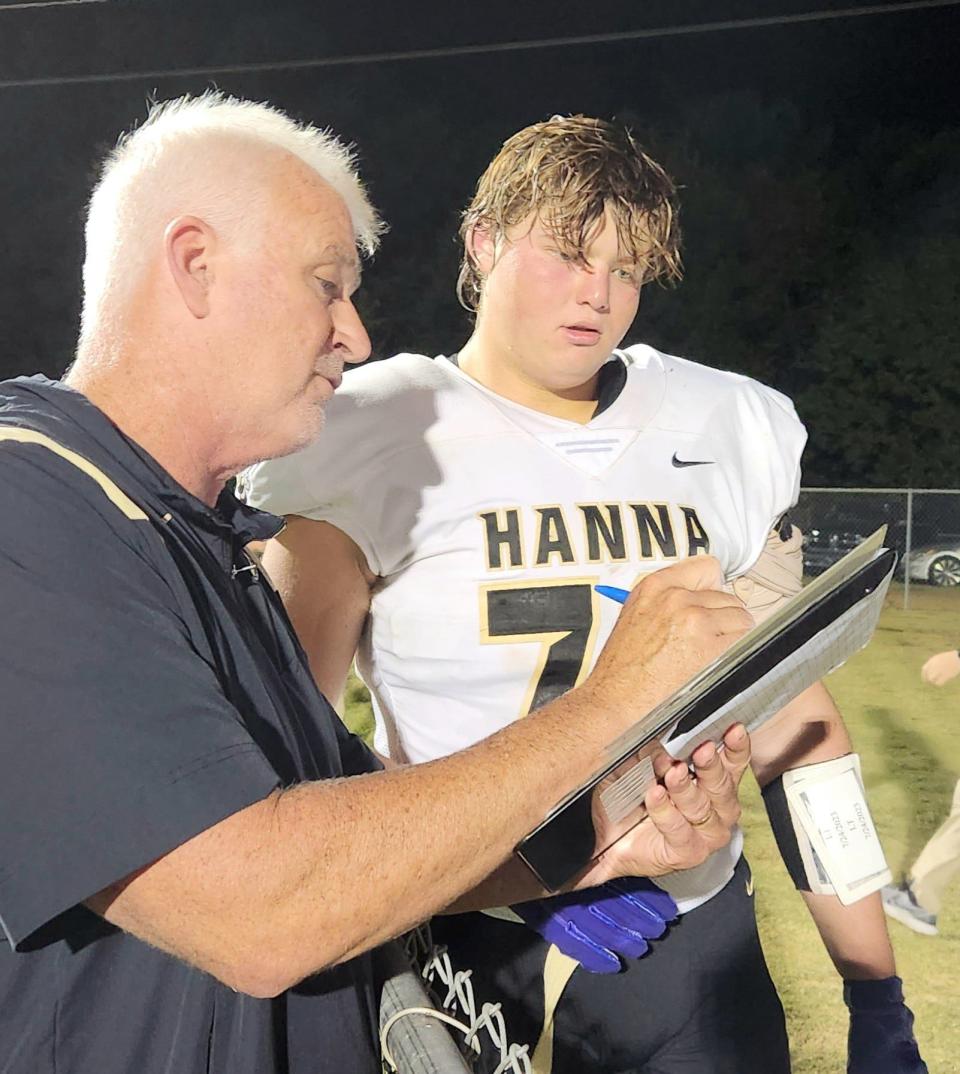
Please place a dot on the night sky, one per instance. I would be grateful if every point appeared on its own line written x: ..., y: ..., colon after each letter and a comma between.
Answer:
x: 425, y: 128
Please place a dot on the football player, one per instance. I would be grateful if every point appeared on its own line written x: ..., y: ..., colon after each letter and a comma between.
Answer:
x: 450, y: 528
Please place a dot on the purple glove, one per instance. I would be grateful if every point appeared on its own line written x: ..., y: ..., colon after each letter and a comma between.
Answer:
x: 598, y: 925
x: 881, y: 1029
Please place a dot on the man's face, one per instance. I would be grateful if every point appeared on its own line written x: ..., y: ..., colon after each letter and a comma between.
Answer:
x: 287, y: 320
x: 557, y: 319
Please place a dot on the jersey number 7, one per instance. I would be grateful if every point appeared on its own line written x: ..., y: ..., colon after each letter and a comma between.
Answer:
x: 561, y: 614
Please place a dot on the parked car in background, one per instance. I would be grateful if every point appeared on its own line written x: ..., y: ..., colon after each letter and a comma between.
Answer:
x: 936, y: 561
x: 823, y: 547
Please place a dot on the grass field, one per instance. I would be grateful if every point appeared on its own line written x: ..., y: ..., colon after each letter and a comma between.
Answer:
x: 905, y: 733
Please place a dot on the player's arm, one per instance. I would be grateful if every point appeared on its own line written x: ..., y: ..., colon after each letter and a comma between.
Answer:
x: 324, y: 581
x: 880, y: 1038
x: 809, y: 730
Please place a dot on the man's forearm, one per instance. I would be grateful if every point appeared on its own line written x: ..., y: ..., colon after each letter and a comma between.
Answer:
x: 320, y: 872
x: 509, y: 883
x: 420, y: 836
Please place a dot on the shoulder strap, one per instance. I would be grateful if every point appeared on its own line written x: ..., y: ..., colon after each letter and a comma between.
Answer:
x: 110, y: 488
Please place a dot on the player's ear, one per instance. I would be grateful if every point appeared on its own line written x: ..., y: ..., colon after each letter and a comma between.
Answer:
x: 189, y: 245
x: 481, y: 244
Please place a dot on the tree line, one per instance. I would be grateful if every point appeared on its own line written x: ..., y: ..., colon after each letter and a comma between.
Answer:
x: 822, y: 260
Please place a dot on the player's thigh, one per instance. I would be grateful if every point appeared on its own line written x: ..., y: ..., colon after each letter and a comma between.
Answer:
x: 700, y: 1001
x: 735, y: 1022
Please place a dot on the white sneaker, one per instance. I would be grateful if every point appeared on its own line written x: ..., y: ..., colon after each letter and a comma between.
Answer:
x: 900, y: 904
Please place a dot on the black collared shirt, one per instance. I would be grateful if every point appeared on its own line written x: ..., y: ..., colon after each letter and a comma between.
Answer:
x: 151, y: 686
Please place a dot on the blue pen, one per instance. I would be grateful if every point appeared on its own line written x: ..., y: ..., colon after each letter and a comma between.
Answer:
x: 613, y: 592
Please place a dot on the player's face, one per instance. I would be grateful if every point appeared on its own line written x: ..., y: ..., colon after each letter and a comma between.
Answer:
x: 556, y: 318
x: 293, y: 323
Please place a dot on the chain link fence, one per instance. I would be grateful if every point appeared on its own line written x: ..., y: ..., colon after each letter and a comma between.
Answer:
x: 923, y: 526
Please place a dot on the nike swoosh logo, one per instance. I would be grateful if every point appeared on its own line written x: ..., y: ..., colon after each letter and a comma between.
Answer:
x: 750, y: 887
x: 690, y: 462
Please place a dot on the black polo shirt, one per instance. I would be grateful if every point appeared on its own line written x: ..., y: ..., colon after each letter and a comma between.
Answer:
x: 150, y: 686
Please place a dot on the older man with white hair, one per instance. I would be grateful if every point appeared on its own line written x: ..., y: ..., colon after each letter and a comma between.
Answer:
x: 196, y: 858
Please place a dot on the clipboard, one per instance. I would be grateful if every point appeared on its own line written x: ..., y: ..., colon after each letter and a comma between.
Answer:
x: 809, y: 636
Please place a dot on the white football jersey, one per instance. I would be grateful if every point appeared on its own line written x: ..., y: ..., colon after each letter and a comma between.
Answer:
x: 489, y: 524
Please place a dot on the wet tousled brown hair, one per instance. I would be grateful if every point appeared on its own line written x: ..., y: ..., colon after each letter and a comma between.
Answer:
x: 566, y: 170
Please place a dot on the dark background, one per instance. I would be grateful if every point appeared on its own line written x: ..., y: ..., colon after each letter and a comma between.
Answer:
x: 819, y: 160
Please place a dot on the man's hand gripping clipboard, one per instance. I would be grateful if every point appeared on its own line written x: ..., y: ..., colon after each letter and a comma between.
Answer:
x: 809, y: 636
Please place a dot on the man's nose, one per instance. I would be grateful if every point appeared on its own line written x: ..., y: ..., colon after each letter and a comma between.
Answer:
x: 350, y: 338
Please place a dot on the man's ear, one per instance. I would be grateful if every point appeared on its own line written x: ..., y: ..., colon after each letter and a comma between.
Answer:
x: 189, y: 246
x: 482, y: 248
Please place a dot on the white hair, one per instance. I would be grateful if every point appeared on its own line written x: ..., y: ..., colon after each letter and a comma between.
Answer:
x: 152, y: 176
